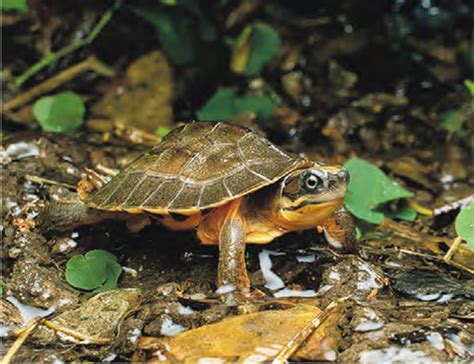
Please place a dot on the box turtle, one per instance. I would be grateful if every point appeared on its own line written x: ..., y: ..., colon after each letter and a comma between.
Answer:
x: 228, y: 182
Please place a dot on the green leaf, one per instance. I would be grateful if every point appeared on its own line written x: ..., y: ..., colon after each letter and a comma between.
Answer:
x: 451, y: 120
x: 465, y: 225
x: 96, y: 270
x: 225, y: 103
x: 369, y: 189
x: 181, y: 28
x: 470, y: 86
x: 255, y: 47
x: 405, y: 213
x: 60, y: 113
x: 162, y: 131
x: 18, y: 5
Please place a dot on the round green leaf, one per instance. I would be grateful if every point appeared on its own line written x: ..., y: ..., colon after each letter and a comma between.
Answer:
x: 368, y: 189
x: 465, y: 225
x: 86, y: 272
x: 96, y: 270
x: 60, y: 113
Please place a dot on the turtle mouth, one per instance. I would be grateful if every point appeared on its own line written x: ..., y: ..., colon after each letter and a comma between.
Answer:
x: 315, y: 204
x: 308, y: 214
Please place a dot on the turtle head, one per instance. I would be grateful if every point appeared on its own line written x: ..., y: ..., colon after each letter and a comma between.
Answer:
x: 308, y: 196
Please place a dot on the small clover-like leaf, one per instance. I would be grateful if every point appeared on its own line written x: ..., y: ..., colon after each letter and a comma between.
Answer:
x: 96, y: 270
x: 60, y: 113
x: 369, y: 189
x: 255, y: 47
x: 465, y: 225
x: 226, y: 103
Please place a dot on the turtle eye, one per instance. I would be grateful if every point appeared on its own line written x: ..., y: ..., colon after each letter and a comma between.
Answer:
x: 311, y: 182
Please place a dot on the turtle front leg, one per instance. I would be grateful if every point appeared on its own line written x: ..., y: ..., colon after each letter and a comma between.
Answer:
x: 339, y: 231
x: 232, y: 273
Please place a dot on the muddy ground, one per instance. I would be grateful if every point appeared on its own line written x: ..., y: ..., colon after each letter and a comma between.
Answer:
x: 393, y: 303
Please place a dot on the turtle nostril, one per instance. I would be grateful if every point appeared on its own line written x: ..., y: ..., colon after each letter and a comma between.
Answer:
x: 344, y: 175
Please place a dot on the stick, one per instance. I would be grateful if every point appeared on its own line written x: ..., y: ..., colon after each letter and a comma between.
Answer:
x: 297, y: 340
x: 75, y: 334
x: 90, y: 63
x: 41, y: 180
x: 452, y: 249
x: 20, y: 340
x: 53, y: 57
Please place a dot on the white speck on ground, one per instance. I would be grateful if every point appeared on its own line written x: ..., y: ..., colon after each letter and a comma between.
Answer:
x: 286, y: 292
x: 134, y: 335
x: 169, y: 328
x: 371, y: 281
x: 227, y: 288
x: 436, y: 340
x: 29, y: 312
x: 272, y: 280
x: 334, y: 275
x: 306, y: 258
x: 428, y: 297
x: 160, y: 355
x: 394, y: 354
x: 19, y: 151
x: 109, y: 358
x: 130, y: 271
x: 185, y: 310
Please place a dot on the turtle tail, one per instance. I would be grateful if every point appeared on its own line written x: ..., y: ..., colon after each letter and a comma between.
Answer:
x: 63, y: 216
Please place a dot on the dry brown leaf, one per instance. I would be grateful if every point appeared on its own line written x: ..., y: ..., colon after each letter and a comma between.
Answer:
x: 322, y: 344
x: 98, y: 318
x: 143, y: 99
x: 254, y: 337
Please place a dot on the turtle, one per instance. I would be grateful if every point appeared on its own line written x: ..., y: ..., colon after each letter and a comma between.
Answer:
x: 226, y: 181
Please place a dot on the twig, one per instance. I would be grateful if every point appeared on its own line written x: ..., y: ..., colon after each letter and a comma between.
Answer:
x: 41, y: 180
x: 419, y: 208
x: 439, y: 259
x: 90, y: 63
x: 75, y: 334
x: 53, y: 57
x: 452, y: 249
x: 20, y: 340
x: 297, y: 340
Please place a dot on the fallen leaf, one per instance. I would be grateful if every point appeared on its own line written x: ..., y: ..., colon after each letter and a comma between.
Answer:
x: 143, y: 98
x: 98, y: 318
x: 254, y: 337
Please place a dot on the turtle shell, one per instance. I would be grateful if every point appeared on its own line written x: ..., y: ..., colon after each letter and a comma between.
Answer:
x: 197, y: 166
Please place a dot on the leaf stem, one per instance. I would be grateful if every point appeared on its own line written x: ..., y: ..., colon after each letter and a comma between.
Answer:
x: 53, y: 57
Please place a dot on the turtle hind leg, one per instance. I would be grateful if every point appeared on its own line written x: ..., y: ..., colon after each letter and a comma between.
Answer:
x: 63, y: 216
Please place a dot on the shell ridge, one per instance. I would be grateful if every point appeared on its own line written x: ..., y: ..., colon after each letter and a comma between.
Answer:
x: 200, y: 196
x: 111, y: 193
x: 151, y: 194
x: 226, y: 187
x: 246, y: 161
x: 183, y: 185
x: 133, y: 190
